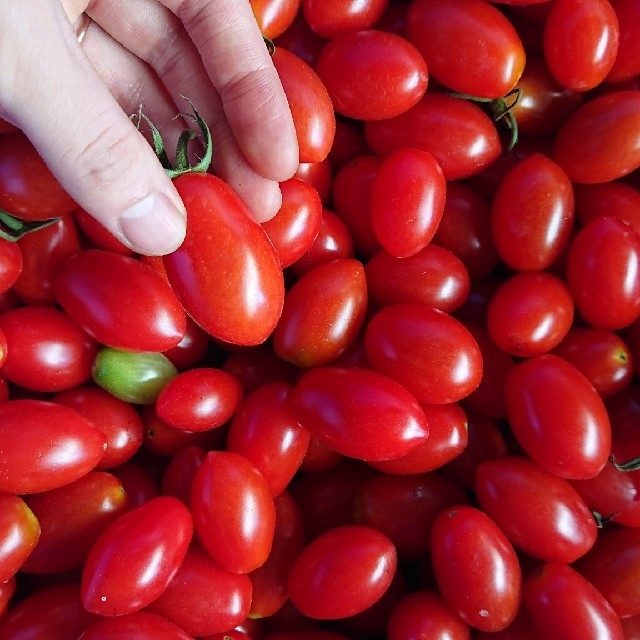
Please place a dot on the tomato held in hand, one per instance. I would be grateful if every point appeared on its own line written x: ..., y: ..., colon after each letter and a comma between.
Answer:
x: 226, y: 273
x: 557, y: 417
x: 342, y: 572
x: 135, y: 558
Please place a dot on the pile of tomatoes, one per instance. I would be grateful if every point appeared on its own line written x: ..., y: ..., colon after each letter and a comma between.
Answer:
x: 406, y: 407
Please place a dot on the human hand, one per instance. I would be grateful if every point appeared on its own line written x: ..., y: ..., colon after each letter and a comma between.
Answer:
x: 73, y: 101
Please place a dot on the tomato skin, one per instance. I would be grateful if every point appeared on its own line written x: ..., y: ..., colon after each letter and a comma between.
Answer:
x: 99, y: 288
x: 492, y: 47
x: 297, y: 222
x: 203, y: 598
x: 599, y: 141
x: 311, y: 107
x: 546, y: 391
x: 274, y: 17
x: 323, y: 312
x: 407, y: 201
x: 98, y: 235
x: 532, y: 214
x: 600, y: 263
x: 140, y: 625
x: 627, y: 62
x: 28, y: 190
x: 226, y: 272
x: 46, y: 351
x: 337, y: 17
x: 71, y: 519
x: 342, y: 572
x: 372, y: 74
x: 459, y: 135
x: 400, y: 338
x: 265, y: 431
x: 580, y: 42
x: 19, y: 534
x: 596, y: 200
x: 199, y: 399
x: 134, y: 559
x: 530, y: 313
x: 358, y: 413
x: 585, y: 615
x: 10, y: 264
x: 540, y: 513
x: 233, y: 511
x: 476, y: 568
x: 37, y: 437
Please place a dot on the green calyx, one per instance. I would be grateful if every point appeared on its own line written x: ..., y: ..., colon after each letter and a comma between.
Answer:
x: 12, y: 228
x: 181, y: 162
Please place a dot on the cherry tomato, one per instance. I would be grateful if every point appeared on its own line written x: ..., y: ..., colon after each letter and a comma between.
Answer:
x: 46, y: 350
x: 598, y: 142
x: 459, y: 135
x: 140, y: 625
x: 372, y: 74
x: 301, y: 40
x: 530, y: 314
x: 333, y: 18
x: 400, y: 338
x: 580, y: 42
x: 233, y: 511
x: 602, y: 263
x: 596, y: 200
x: 98, y: 235
x: 203, y: 598
x: 274, y: 17
x: 476, y: 568
x: 433, y: 276
x: 71, y: 519
x: 313, y: 115
x: 180, y: 471
x: 545, y: 391
x: 199, y: 399
x: 226, y: 272
x: 28, y: 189
x: 37, y: 437
x: 135, y: 557
x: 323, y: 312
x: 10, y: 264
x: 19, y: 534
x: 532, y: 214
x: 359, y: 413
x: 490, y: 59
x: 627, y: 62
x: 342, y: 572
x: 407, y: 201
x: 191, y: 350
x: 565, y: 606
x: 98, y: 289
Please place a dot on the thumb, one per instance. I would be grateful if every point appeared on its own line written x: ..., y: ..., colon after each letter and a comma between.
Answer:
x: 50, y: 90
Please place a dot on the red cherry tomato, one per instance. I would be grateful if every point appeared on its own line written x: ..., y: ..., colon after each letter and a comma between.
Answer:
x: 10, y: 264
x: 407, y: 201
x: 580, y: 42
x: 476, y: 568
x: 134, y: 559
x: 37, y: 437
x: 236, y: 293
x: 490, y: 59
x: 274, y: 17
x: 372, y: 74
x: 627, y: 62
x: 233, y: 511
x: 545, y: 391
x: 359, y: 413
x: 400, y: 338
x: 140, y: 625
x: 333, y: 18
x: 19, y: 534
x: 342, y: 572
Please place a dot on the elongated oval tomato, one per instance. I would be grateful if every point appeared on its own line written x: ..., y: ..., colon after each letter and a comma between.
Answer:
x: 233, y: 511
x: 407, y: 201
x: 600, y: 141
x: 19, y: 534
x: 322, y: 314
x: 476, y: 568
x: 140, y: 625
x: 371, y: 74
x: 342, y: 572
x: 45, y: 445
x: 490, y: 59
x: 557, y: 417
x: 427, y: 351
x: 100, y: 289
x: 226, y: 273
x: 359, y: 413
x: 135, y: 558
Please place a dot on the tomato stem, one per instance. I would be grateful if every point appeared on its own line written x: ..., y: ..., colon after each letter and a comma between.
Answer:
x: 629, y: 465
x: 12, y: 228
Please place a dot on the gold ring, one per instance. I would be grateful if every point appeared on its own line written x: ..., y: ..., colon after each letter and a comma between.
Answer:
x: 84, y: 26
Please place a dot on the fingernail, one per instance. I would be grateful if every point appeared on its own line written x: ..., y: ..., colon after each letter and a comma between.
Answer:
x: 153, y: 225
